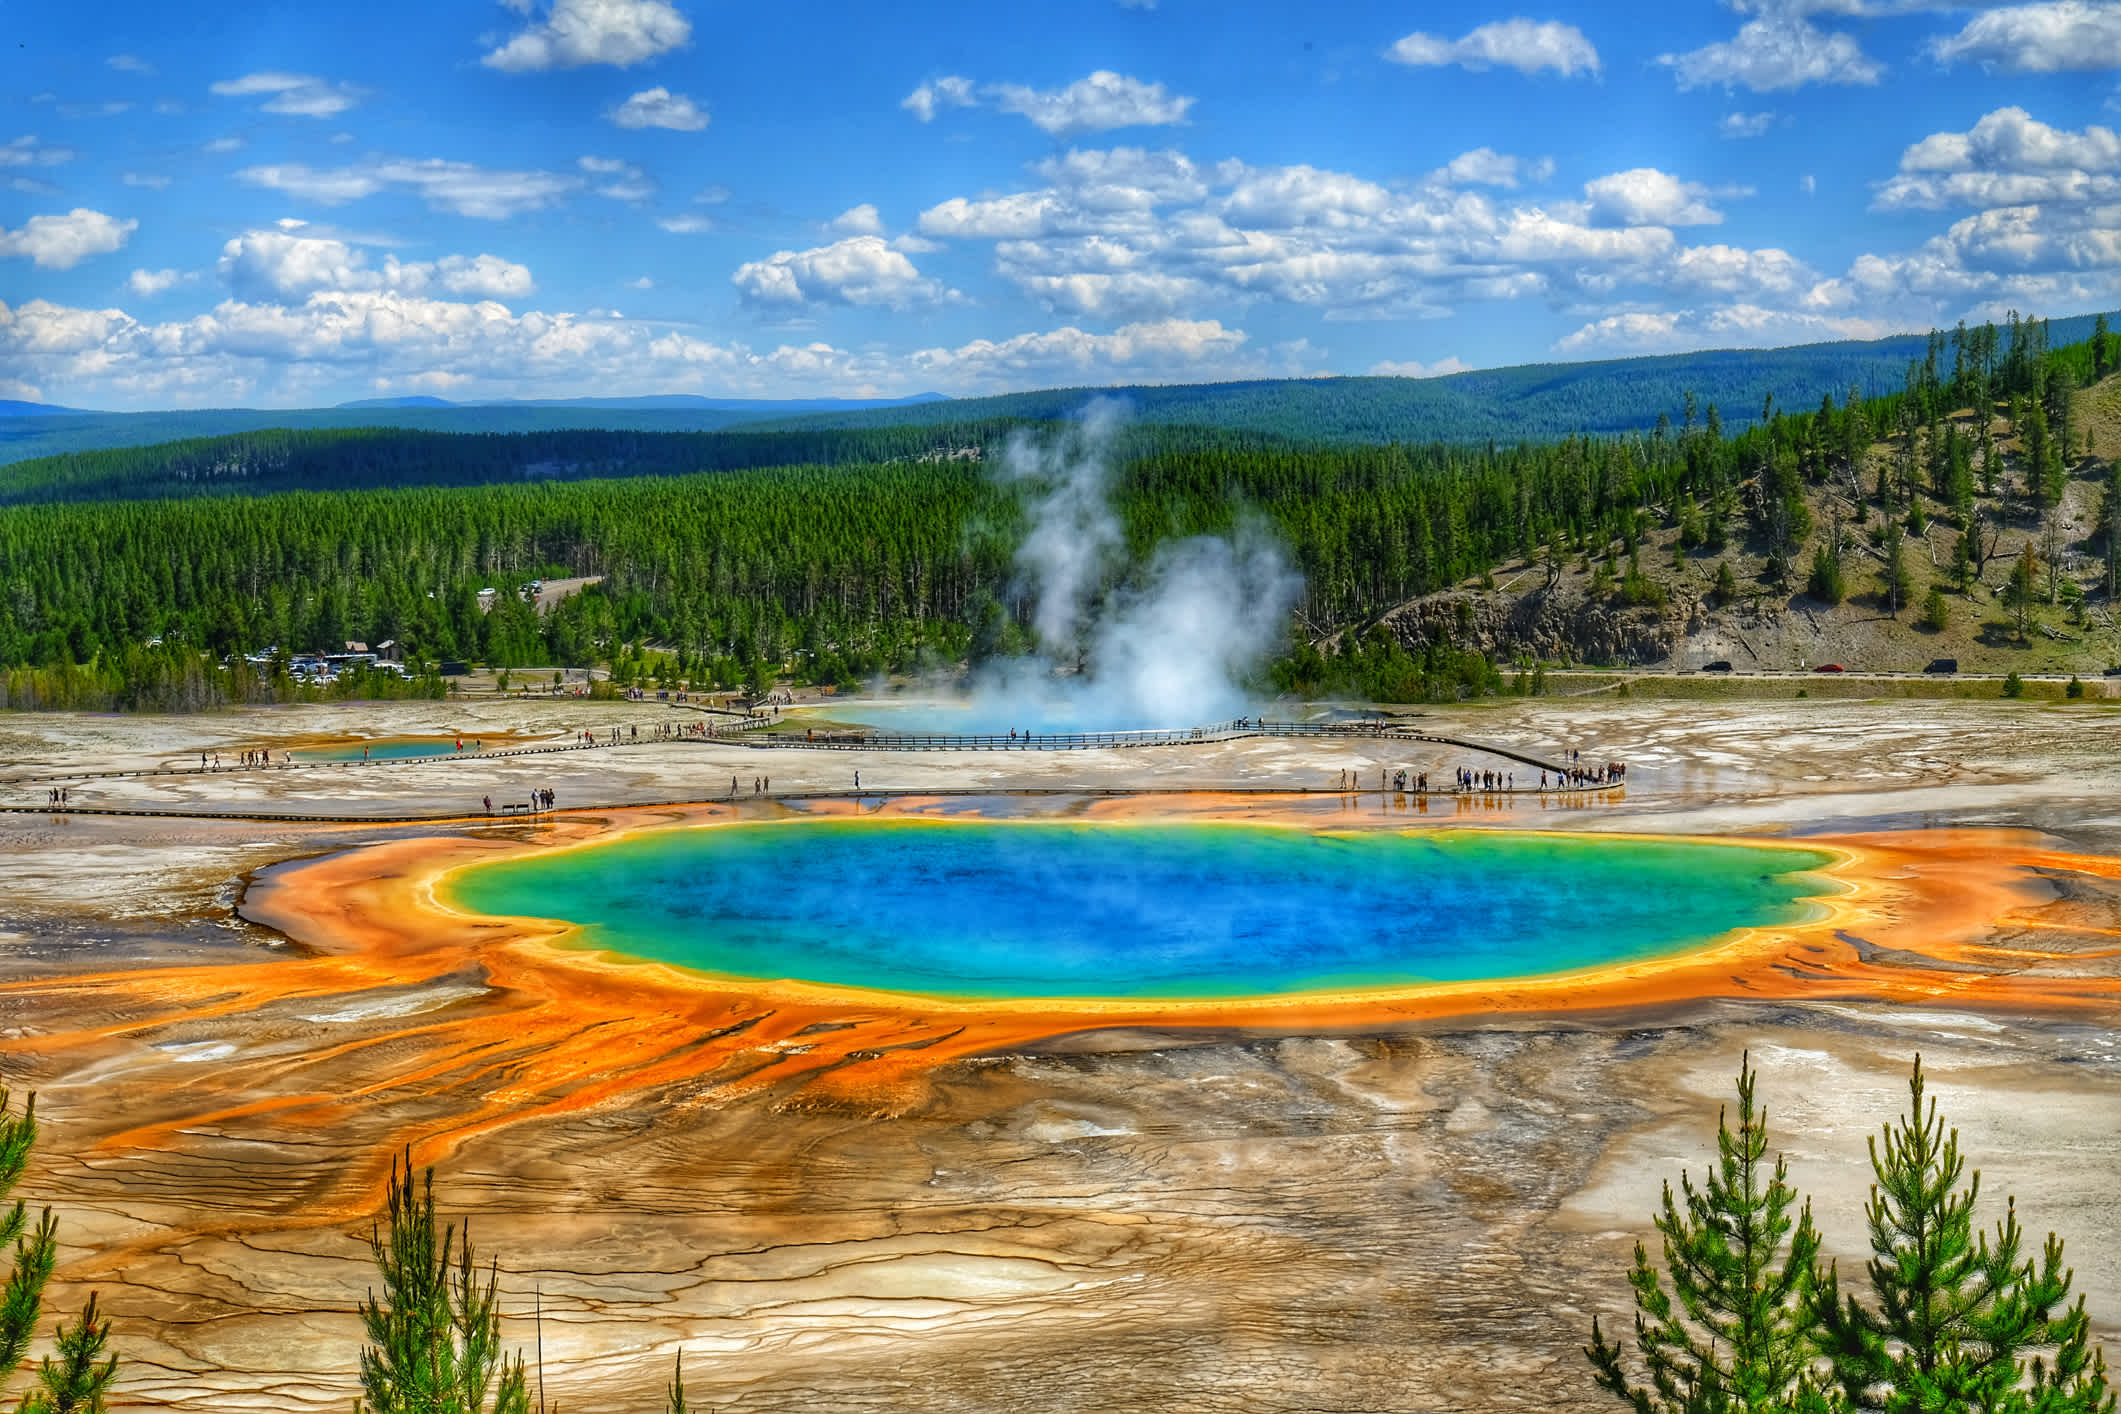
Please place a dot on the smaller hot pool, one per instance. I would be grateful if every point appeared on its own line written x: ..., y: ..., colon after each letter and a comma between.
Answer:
x: 399, y: 748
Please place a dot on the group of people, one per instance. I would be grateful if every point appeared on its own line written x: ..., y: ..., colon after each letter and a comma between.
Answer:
x: 760, y: 785
x: 1578, y: 775
x: 58, y: 797
x: 540, y: 800
x: 1575, y: 776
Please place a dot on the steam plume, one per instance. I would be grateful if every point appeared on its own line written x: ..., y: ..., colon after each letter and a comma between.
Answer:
x: 1173, y: 650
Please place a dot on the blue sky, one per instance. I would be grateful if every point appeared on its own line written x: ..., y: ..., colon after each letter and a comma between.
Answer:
x: 291, y: 205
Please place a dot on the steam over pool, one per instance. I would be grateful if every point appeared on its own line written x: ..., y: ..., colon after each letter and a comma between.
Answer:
x: 999, y: 909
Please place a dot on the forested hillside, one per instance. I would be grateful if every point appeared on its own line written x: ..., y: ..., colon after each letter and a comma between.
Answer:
x: 836, y: 572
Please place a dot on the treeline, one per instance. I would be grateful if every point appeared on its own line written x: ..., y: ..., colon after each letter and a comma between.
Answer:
x: 833, y: 573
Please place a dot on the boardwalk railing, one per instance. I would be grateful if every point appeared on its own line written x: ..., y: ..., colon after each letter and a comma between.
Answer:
x: 754, y: 732
x: 1233, y: 730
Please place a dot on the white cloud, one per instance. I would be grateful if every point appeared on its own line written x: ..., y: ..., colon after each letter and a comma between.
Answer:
x: 1808, y: 184
x: 618, y: 179
x: 2044, y: 231
x: 1129, y: 234
x: 937, y: 94
x: 1486, y: 167
x: 149, y: 283
x: 1727, y: 327
x: 860, y: 270
x: 860, y: 220
x: 2063, y: 36
x: 1524, y: 45
x: 129, y: 64
x: 279, y: 265
x: 303, y: 95
x: 685, y: 225
x: 1441, y: 368
x: 153, y: 181
x: 2008, y: 158
x: 1098, y: 103
x: 222, y: 144
x: 658, y: 107
x: 1781, y: 50
x: 62, y: 242
x: 486, y: 193
x: 34, y: 152
x: 1644, y: 196
x: 643, y: 283
x: 299, y: 352
x: 1746, y: 124
x: 577, y: 32
x: 1169, y: 347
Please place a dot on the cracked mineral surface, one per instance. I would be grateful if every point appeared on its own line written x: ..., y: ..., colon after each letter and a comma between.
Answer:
x: 838, y: 1204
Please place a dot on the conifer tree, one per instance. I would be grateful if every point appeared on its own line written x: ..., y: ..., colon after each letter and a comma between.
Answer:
x: 436, y: 1333
x: 1956, y: 1314
x: 1733, y: 1332
x: 76, y: 1379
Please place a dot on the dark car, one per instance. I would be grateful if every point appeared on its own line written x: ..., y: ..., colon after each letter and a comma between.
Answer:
x: 1721, y: 665
x: 1942, y: 665
x: 1830, y: 668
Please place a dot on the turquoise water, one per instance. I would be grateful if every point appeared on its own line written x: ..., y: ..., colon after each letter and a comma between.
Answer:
x: 393, y: 748
x: 987, y: 909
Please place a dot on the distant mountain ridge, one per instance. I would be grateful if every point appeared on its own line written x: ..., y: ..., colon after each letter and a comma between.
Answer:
x: 1529, y: 402
x: 658, y: 402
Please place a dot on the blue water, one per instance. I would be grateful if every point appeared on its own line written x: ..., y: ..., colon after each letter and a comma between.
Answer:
x: 394, y: 748
x: 999, y: 909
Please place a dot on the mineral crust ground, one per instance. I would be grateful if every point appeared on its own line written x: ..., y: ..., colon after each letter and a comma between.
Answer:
x: 1410, y: 1200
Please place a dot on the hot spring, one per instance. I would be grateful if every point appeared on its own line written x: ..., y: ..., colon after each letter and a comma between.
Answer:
x: 1004, y: 909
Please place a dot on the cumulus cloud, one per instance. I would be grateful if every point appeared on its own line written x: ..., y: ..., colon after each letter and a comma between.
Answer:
x: 2059, y: 37
x: 862, y: 220
x: 303, y: 95
x: 658, y: 107
x: 618, y: 179
x: 860, y: 270
x: 280, y: 265
x: 2008, y: 158
x: 1779, y: 50
x: 685, y: 225
x: 1485, y: 167
x: 572, y: 33
x: 293, y: 351
x: 149, y: 283
x: 1745, y: 124
x: 1527, y: 46
x: 1729, y: 326
x: 1135, y: 234
x: 490, y: 194
x: 1168, y: 346
x: 937, y: 94
x: 1099, y: 103
x: 1410, y: 368
x: 1644, y: 196
x: 2043, y: 229
x: 34, y: 152
x: 62, y: 242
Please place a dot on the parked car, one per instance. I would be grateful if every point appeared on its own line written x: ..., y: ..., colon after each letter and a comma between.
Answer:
x: 1830, y: 668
